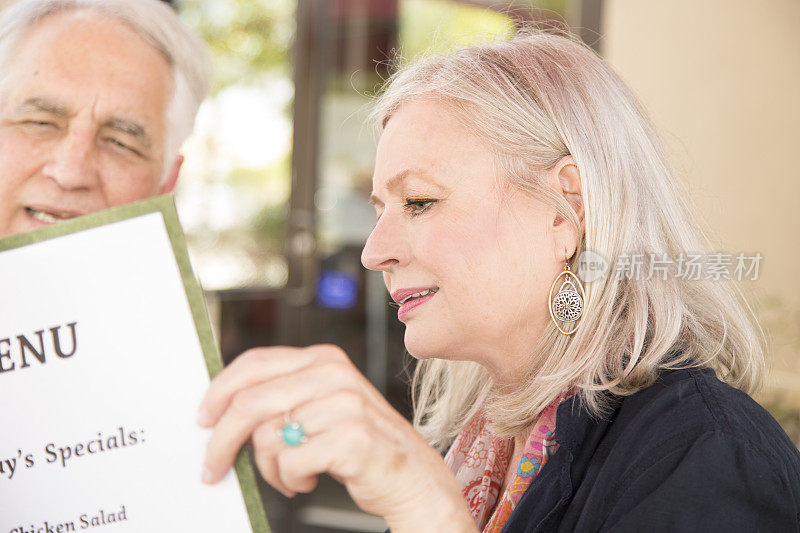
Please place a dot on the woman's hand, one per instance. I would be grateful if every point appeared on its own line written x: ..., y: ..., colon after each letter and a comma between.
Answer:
x: 352, y: 433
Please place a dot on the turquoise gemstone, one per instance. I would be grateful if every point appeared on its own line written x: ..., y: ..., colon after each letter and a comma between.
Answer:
x: 292, y: 434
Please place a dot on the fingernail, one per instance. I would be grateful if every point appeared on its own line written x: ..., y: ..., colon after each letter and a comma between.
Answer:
x: 203, y: 417
x: 208, y: 476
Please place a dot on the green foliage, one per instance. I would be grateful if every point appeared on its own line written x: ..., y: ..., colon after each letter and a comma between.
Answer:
x: 269, y: 225
x: 249, y: 39
x: 257, y: 177
x: 440, y: 26
x: 428, y: 26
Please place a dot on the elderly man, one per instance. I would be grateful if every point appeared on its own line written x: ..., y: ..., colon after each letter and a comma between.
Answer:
x: 96, y: 97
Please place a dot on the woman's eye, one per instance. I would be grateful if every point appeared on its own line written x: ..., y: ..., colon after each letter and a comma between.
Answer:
x: 417, y: 206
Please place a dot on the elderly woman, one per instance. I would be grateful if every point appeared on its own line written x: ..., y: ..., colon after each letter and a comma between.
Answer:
x: 618, y: 403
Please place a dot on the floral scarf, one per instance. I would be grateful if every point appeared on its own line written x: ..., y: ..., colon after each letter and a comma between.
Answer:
x: 480, y: 460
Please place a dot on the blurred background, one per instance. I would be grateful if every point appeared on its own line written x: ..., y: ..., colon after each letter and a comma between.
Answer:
x: 273, y: 192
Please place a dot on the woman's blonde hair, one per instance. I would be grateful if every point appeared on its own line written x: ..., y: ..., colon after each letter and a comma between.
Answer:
x: 534, y: 100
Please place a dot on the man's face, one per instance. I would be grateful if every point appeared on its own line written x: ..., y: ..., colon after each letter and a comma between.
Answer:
x: 82, y: 121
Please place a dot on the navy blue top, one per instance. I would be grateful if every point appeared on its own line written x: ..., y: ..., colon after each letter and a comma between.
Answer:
x: 689, y: 453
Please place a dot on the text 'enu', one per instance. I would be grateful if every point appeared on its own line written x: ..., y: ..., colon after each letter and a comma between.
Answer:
x: 18, y: 351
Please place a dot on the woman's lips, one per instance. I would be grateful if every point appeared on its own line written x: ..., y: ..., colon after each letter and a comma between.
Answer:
x: 401, y: 295
x: 408, y: 306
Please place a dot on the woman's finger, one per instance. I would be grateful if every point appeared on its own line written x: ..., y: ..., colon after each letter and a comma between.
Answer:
x: 251, y: 407
x: 339, y: 451
x: 250, y: 368
x: 339, y: 429
x: 266, y: 444
x: 315, y: 418
x: 324, y: 414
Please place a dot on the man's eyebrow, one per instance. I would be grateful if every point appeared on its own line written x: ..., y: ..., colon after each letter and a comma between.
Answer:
x: 43, y: 104
x: 396, y: 181
x: 131, y: 128
x: 115, y: 123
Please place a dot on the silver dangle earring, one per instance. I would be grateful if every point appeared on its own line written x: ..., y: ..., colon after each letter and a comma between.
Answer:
x: 567, y: 306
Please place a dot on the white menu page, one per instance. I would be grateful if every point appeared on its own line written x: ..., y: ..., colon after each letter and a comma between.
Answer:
x: 101, y: 373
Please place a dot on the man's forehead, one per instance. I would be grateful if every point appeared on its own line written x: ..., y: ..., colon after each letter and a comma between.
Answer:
x: 73, y: 61
x: 72, y: 38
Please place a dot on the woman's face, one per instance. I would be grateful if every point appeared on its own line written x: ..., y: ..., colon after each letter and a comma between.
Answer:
x: 449, y: 225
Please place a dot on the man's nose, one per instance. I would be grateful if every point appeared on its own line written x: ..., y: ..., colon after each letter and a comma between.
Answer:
x: 72, y: 160
x: 386, y: 246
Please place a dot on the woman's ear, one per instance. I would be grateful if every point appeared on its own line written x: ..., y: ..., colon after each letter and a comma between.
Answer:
x: 565, y: 178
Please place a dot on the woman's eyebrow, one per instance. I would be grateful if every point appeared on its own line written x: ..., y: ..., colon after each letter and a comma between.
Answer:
x: 398, y: 180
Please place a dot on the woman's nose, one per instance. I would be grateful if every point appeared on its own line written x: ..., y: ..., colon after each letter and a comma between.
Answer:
x: 386, y: 247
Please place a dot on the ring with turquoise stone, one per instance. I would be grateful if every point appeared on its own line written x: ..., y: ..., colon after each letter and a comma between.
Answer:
x: 292, y: 434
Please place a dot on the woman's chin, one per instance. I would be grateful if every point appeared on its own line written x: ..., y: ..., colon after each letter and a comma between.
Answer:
x: 420, y: 346
x: 427, y: 344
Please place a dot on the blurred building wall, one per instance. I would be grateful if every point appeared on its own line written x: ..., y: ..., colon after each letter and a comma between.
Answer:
x: 721, y: 78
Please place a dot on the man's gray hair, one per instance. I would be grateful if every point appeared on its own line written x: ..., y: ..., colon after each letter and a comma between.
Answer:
x: 154, y: 21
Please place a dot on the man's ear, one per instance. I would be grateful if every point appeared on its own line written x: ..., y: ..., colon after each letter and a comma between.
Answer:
x: 172, y: 177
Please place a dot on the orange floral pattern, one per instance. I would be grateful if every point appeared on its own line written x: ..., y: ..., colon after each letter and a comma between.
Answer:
x: 480, y: 460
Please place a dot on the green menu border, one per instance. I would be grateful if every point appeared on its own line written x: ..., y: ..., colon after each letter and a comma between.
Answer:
x: 194, y: 294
